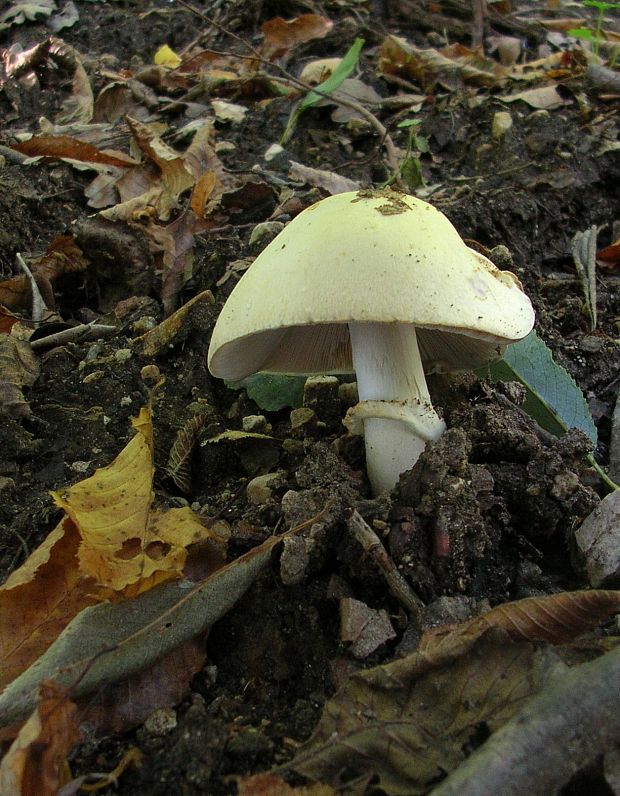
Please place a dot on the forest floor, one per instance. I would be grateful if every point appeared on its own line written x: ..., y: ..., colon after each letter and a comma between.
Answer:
x: 489, y: 513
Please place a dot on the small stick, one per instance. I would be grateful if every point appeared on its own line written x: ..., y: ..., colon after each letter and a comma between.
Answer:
x: 363, y: 533
x: 84, y: 331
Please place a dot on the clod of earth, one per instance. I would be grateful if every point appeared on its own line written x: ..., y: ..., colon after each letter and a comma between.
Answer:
x: 379, y: 283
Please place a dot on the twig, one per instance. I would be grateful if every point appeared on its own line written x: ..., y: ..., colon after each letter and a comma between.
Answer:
x: 574, y: 719
x: 85, y: 331
x: 38, y: 304
x: 372, y: 545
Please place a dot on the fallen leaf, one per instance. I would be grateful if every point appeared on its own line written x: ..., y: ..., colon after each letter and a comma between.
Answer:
x: 173, y: 328
x: 35, y: 764
x: 557, y: 619
x: 228, y: 111
x: 608, y: 257
x: 19, y: 367
x: 111, y: 641
x: 125, y: 704
x: 450, y: 66
x: 282, y: 35
x: 166, y: 56
x: 411, y: 720
x: 320, y: 178
x: 40, y: 598
x: 64, y: 147
x: 125, y: 541
x: 270, y: 785
x: 19, y: 12
x: 545, y: 97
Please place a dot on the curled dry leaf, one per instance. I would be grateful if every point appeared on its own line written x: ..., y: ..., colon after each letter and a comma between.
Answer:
x: 35, y: 764
x: 557, y: 619
x: 450, y: 66
x: 177, y: 326
x: 19, y: 367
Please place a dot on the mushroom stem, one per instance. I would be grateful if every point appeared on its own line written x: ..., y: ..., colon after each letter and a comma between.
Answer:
x: 389, y: 373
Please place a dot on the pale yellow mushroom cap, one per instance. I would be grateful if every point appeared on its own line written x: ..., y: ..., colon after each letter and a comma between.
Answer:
x: 366, y: 257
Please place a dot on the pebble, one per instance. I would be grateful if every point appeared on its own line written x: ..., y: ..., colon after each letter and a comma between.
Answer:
x: 597, y: 543
x: 161, y: 722
x: 261, y: 488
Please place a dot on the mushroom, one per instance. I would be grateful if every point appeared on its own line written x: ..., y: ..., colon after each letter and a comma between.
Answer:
x: 379, y: 283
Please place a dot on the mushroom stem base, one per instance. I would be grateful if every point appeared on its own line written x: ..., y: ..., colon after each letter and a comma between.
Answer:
x: 394, y: 401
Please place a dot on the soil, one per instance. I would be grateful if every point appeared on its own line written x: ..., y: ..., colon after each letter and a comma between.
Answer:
x: 487, y: 513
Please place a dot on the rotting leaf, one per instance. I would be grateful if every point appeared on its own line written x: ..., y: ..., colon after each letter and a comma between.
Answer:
x: 553, y: 399
x: 111, y: 641
x: 125, y: 704
x: 19, y: 367
x: 35, y: 764
x: 410, y: 720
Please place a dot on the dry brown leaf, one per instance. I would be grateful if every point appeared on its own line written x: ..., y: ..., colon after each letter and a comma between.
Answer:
x: 544, y: 97
x: 557, y: 619
x: 35, y: 765
x: 410, y: 720
x: 608, y: 258
x: 64, y: 147
x: 123, y: 705
x: 270, y: 785
x: 19, y: 367
x: 282, y: 35
x: 167, y: 332
x: 125, y: 541
x: 40, y: 598
x: 7, y: 320
x: 449, y: 66
x: 328, y: 180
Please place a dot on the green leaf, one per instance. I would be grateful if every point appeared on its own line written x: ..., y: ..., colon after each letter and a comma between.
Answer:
x: 334, y: 81
x: 582, y: 33
x: 553, y: 398
x: 272, y: 391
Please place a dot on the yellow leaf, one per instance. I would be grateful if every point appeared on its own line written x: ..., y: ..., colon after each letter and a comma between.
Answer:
x: 166, y: 56
x: 125, y: 542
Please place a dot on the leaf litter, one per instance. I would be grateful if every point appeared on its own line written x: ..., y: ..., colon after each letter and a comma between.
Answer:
x: 172, y: 197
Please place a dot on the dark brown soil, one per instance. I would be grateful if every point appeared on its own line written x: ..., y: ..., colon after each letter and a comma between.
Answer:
x: 487, y: 513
